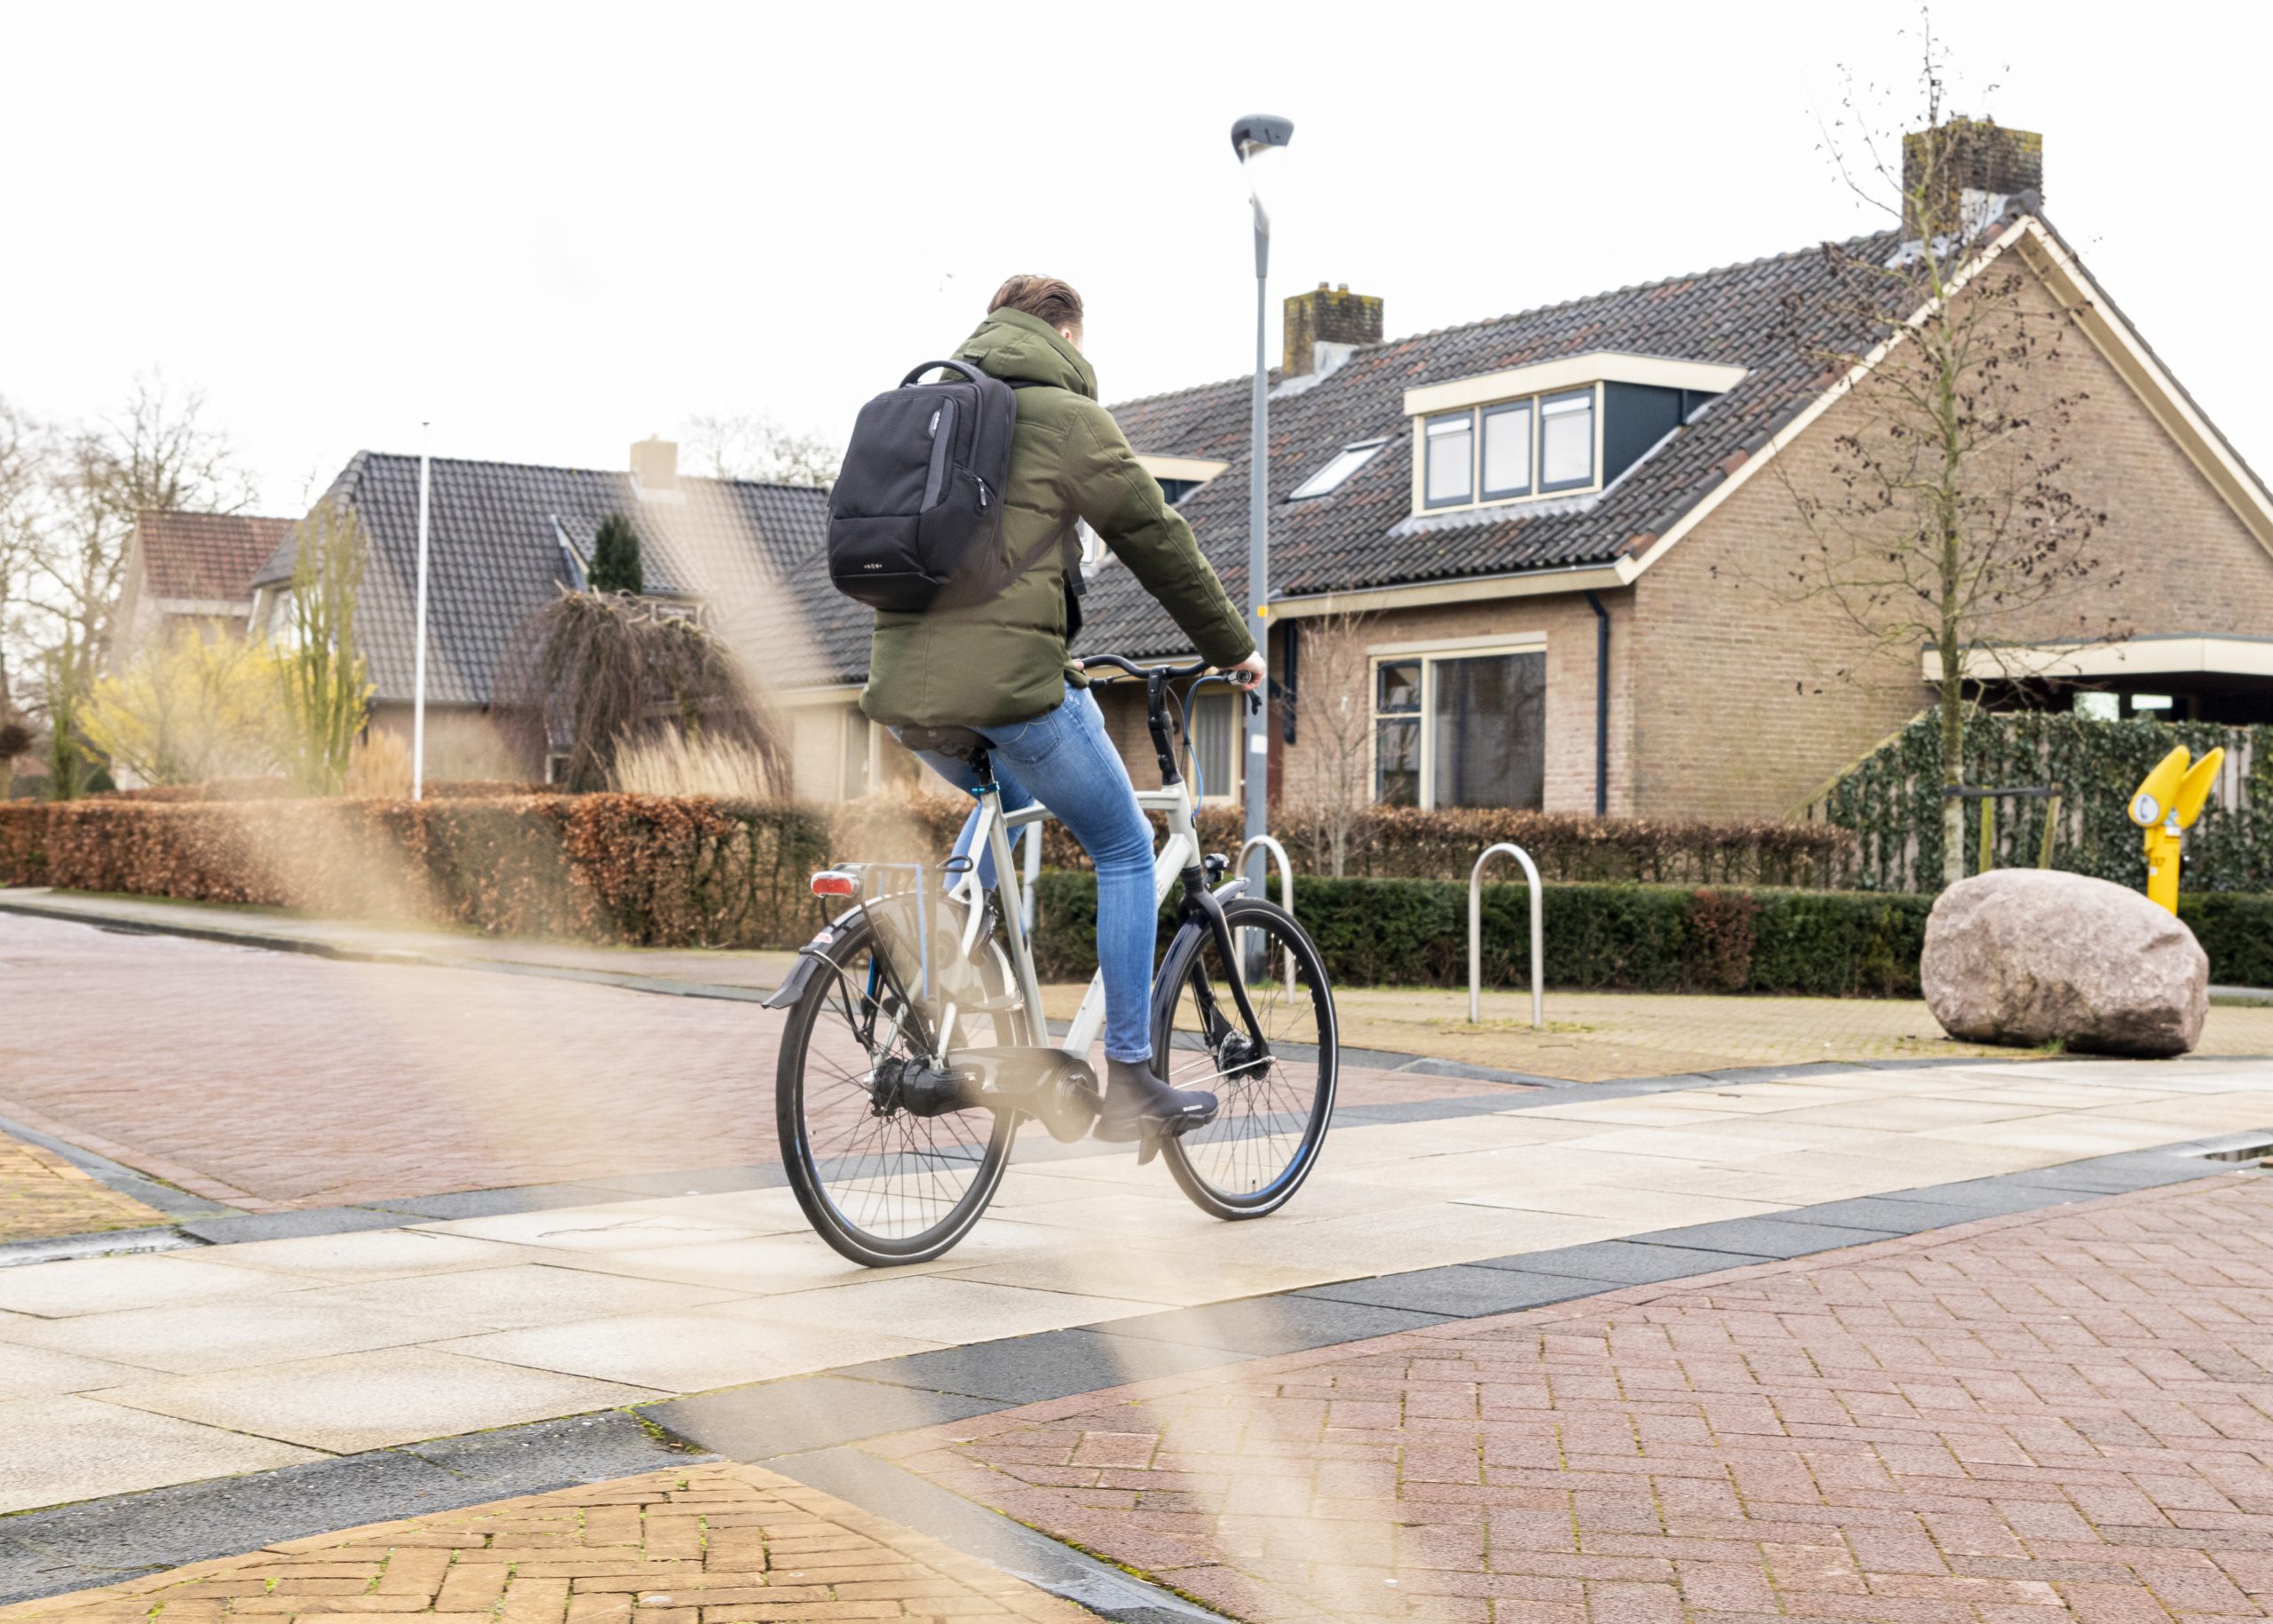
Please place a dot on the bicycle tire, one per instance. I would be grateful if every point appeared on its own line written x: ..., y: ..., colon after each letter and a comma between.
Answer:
x: 828, y: 1169
x: 1232, y: 1168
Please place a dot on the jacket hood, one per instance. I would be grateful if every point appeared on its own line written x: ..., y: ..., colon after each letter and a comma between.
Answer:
x: 1011, y: 343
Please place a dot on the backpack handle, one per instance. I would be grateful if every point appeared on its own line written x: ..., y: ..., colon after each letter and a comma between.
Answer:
x: 965, y: 368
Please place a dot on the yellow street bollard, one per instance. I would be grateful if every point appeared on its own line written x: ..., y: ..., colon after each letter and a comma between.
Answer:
x: 2165, y: 805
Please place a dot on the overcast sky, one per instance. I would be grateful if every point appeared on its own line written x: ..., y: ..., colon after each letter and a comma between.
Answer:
x: 555, y: 228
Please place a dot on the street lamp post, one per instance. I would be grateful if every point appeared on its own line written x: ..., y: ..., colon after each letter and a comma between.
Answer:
x: 1254, y: 137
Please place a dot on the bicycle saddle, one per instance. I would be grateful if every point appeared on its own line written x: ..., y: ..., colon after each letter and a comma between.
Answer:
x: 962, y: 743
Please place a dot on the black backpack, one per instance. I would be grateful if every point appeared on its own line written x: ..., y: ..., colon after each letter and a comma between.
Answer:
x: 915, y: 516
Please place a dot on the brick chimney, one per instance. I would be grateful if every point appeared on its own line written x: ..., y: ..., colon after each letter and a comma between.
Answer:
x: 1323, y: 327
x: 654, y: 464
x: 1953, y: 170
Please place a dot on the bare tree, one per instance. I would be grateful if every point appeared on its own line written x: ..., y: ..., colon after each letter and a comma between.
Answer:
x: 1335, y: 714
x: 1945, y: 517
x: 758, y: 447
x: 156, y: 455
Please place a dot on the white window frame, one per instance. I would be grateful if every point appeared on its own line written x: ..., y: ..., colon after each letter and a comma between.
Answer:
x: 1348, y: 460
x: 1538, y: 491
x: 1427, y: 653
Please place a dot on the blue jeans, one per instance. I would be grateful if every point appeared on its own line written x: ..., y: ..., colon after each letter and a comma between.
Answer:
x: 1064, y: 756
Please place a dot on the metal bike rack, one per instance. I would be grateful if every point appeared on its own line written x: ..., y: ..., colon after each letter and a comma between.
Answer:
x: 1475, y: 935
x: 1286, y: 890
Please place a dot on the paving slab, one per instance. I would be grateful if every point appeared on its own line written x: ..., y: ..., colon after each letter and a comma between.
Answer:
x: 1461, y: 1290
x: 1274, y: 1325
x: 66, y: 1448
x: 1050, y: 1365
x: 359, y: 1401
x: 805, y: 1412
x: 1624, y: 1263
x: 1769, y: 1237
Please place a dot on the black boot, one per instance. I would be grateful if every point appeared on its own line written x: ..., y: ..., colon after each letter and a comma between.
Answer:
x: 1139, y: 1107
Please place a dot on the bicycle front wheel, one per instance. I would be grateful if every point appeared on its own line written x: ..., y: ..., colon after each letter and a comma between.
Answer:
x: 1274, y: 1079
x: 881, y: 1181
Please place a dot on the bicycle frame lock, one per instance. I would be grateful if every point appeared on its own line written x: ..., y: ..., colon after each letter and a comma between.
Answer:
x: 1475, y: 935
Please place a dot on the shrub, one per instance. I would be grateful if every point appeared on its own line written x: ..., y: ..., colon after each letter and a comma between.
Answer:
x: 1634, y: 938
x: 635, y: 869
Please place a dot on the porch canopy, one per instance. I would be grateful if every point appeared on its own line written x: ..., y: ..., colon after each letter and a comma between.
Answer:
x: 2203, y: 677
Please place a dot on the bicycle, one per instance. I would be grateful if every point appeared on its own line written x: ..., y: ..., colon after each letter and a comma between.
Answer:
x: 911, y: 1054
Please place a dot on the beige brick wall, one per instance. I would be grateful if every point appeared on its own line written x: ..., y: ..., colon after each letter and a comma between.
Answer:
x: 1741, y: 710
x: 1568, y: 626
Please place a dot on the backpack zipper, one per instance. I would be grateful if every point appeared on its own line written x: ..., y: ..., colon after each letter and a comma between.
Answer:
x: 982, y: 492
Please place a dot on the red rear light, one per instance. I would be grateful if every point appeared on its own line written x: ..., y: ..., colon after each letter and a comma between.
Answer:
x: 836, y: 882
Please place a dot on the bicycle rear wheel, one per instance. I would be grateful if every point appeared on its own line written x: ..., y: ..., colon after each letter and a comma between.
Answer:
x: 1275, y: 1109
x: 882, y: 1181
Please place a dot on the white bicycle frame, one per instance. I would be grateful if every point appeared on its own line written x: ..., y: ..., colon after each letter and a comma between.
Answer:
x: 1179, y: 851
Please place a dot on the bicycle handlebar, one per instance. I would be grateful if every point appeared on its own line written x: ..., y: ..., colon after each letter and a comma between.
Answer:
x: 1120, y: 663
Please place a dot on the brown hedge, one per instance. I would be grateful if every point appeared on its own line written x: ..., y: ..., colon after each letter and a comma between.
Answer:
x: 639, y: 869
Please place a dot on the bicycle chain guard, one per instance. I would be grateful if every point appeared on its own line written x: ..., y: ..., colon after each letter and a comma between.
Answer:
x: 1056, y: 1088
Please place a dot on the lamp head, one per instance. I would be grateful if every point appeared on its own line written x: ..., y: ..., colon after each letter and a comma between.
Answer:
x: 1258, y: 132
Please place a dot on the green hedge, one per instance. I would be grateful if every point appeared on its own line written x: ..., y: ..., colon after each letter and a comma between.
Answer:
x: 1659, y: 938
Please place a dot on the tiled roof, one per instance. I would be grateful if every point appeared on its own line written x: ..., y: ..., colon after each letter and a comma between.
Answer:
x: 205, y: 557
x: 752, y: 551
x: 1358, y: 536
x: 761, y: 546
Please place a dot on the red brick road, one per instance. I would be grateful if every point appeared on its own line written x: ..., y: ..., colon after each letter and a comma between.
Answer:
x: 270, y: 1079
x: 1987, y: 1425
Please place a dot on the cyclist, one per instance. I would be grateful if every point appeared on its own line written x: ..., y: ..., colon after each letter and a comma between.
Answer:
x: 1001, y: 667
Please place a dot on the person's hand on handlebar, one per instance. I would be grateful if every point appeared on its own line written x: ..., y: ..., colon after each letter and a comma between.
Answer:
x: 1247, y: 673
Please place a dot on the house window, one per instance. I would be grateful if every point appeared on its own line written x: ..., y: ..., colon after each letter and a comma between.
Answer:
x: 1465, y: 728
x: 1452, y: 459
x: 1346, y: 462
x: 1173, y: 491
x: 1215, y: 746
x: 1507, y: 450
x: 1397, y: 733
x: 1566, y: 440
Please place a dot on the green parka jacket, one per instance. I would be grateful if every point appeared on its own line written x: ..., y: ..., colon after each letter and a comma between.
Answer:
x: 981, y: 665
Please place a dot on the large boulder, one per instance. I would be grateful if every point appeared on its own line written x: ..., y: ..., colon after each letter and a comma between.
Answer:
x: 2026, y: 957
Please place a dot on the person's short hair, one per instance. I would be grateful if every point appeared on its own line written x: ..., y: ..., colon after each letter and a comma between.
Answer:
x: 1044, y: 297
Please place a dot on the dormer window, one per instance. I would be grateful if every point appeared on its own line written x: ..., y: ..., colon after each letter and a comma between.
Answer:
x: 1557, y: 428
x: 1566, y: 440
x: 1346, y: 462
x: 1451, y: 457
x: 1507, y: 450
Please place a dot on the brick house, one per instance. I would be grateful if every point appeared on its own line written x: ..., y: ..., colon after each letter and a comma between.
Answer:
x: 505, y: 537
x: 190, y: 570
x: 1559, y: 527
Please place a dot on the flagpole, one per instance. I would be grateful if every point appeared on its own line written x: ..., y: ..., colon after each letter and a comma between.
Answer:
x: 418, y: 663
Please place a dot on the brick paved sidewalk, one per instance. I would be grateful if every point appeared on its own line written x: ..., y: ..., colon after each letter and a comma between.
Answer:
x: 710, y: 1545
x: 1986, y: 1425
x: 271, y: 1080
x: 41, y: 1195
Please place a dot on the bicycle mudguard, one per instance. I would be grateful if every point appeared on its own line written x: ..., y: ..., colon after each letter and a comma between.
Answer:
x: 809, y: 959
